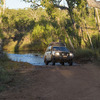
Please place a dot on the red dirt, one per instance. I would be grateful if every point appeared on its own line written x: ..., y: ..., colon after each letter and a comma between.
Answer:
x: 81, y: 82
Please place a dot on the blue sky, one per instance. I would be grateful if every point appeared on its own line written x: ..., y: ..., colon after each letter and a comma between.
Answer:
x: 16, y: 4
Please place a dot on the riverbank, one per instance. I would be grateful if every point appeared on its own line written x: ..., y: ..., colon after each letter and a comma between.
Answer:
x: 24, y: 44
x: 8, y: 70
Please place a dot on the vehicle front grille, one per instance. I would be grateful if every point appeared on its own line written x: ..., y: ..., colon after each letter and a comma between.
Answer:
x: 64, y: 54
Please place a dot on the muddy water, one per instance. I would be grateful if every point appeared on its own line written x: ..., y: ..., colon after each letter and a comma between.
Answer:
x: 34, y: 58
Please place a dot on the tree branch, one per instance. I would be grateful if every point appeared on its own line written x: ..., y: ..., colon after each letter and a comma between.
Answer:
x: 61, y: 7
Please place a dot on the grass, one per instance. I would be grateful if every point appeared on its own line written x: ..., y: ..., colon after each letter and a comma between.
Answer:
x: 98, y: 61
x: 86, y: 55
x: 5, y: 75
x: 8, y: 71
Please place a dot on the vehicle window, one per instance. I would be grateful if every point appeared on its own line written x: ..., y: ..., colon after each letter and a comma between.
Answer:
x: 60, y: 49
x: 48, y: 49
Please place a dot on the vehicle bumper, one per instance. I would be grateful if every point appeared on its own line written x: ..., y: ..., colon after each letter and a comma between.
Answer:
x: 62, y: 59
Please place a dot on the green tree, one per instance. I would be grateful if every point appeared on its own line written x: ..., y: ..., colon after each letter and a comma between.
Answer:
x: 2, y: 2
x: 50, y: 6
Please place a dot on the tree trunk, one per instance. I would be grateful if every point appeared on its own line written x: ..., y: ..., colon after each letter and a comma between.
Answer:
x: 89, y: 36
x: 81, y: 30
x: 1, y: 50
x: 90, y: 40
x: 70, y: 42
x: 70, y: 11
x: 0, y: 37
x: 98, y: 23
x: 98, y: 19
x: 72, y: 19
x: 0, y: 15
x: 4, y: 6
x: 94, y: 3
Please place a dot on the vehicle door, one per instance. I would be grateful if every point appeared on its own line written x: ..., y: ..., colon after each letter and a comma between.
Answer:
x: 48, y: 53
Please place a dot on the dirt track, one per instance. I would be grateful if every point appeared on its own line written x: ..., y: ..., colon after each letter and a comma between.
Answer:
x: 81, y: 82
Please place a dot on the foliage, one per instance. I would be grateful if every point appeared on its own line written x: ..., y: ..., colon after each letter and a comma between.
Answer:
x: 76, y: 25
x: 8, y: 71
x: 84, y: 55
x: 4, y: 74
x: 1, y: 35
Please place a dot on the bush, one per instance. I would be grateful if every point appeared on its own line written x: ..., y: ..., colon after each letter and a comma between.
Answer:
x: 98, y: 56
x: 4, y: 57
x: 5, y: 76
x: 84, y: 54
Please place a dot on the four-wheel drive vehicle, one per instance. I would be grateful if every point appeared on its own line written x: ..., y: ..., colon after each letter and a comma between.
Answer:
x: 57, y: 52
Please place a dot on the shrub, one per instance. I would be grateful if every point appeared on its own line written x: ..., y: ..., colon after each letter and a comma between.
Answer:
x: 4, y: 57
x: 84, y: 54
x: 4, y: 75
x: 4, y: 78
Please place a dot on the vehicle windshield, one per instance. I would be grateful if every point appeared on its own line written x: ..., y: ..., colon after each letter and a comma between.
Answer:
x: 60, y: 49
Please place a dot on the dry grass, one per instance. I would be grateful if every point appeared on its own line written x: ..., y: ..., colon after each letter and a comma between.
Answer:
x: 8, y: 70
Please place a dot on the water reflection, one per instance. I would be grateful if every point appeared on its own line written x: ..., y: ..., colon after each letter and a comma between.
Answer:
x: 32, y: 58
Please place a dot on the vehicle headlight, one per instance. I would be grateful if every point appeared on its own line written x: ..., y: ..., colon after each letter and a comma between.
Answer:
x: 53, y: 53
x: 57, y: 53
x: 71, y: 54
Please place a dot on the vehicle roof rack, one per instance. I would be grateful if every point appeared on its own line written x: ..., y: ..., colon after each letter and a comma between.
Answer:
x: 56, y: 44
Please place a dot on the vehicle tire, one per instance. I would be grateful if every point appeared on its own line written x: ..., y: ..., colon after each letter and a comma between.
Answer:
x: 46, y: 62
x: 53, y: 61
x: 70, y: 63
x: 62, y: 63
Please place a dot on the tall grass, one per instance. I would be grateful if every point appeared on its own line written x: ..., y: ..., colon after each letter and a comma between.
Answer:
x: 85, y: 55
x: 8, y: 71
x: 5, y: 75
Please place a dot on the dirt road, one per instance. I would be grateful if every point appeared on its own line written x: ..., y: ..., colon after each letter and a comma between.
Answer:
x: 80, y: 82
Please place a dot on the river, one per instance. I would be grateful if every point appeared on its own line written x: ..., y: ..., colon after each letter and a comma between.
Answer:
x: 34, y: 58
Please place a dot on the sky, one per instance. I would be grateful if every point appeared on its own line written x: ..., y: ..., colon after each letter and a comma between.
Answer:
x: 16, y: 4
